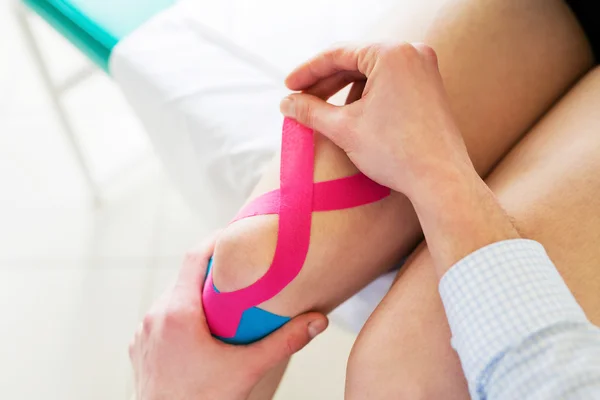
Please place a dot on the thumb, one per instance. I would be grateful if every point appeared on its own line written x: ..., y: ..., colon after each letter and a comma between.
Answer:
x: 289, y: 339
x: 314, y: 113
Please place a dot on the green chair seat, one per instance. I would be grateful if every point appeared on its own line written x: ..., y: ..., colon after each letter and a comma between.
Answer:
x: 96, y: 26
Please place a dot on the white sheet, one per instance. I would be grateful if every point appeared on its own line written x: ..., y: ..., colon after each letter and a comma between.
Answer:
x: 206, y: 78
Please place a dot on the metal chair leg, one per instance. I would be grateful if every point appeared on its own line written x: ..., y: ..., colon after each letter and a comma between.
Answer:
x: 23, y: 18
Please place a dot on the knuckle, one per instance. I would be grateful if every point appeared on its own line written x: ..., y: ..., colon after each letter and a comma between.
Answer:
x: 304, y: 112
x: 175, y: 317
x: 394, y: 52
x: 427, y: 52
x: 148, y: 323
x: 389, y: 56
x: 406, y: 48
x: 190, y: 255
x: 172, y: 317
x: 339, y: 51
x: 375, y: 53
x: 336, y: 54
x: 407, y: 52
x: 404, y: 54
x: 138, y: 332
x: 385, y: 52
x: 311, y: 65
x: 291, y: 345
x: 171, y: 321
x: 193, y: 256
x: 130, y: 349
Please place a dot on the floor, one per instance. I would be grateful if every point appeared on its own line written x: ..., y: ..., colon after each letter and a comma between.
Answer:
x: 74, y: 279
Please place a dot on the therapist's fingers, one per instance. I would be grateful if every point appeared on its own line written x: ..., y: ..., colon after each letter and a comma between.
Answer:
x: 329, y: 86
x: 193, y: 270
x: 317, y: 115
x: 357, y: 59
x: 287, y: 340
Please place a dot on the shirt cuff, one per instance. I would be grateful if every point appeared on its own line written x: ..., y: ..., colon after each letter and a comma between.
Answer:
x: 499, y: 295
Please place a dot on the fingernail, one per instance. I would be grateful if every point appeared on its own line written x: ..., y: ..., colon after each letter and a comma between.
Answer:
x: 316, y: 327
x: 287, y: 107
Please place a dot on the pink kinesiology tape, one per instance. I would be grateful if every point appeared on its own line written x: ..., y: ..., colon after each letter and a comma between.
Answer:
x: 295, y: 201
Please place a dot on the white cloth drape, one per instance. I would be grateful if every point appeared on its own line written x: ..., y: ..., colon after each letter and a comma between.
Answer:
x: 206, y: 79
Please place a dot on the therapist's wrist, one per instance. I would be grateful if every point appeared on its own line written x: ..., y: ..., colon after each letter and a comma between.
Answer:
x: 459, y: 214
x: 439, y: 183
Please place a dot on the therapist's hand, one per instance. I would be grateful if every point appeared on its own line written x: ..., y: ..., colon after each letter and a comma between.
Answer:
x: 401, y: 130
x: 174, y: 356
x: 401, y: 133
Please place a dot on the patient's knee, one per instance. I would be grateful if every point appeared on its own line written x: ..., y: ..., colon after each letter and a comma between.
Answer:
x: 243, y: 252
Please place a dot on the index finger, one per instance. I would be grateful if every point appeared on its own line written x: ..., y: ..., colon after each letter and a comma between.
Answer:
x: 353, y: 58
x: 193, y: 270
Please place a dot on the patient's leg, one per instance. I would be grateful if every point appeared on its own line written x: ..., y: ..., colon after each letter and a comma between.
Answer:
x: 504, y: 62
x: 550, y: 184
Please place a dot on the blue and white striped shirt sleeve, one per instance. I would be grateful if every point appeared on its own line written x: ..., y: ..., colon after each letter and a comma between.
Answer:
x: 517, y: 328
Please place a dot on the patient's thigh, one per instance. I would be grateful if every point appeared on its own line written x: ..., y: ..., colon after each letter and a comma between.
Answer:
x: 550, y: 184
x: 504, y: 62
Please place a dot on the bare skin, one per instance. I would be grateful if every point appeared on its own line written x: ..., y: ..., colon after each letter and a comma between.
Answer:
x: 495, y: 92
x: 174, y: 356
x: 504, y: 63
x: 550, y: 184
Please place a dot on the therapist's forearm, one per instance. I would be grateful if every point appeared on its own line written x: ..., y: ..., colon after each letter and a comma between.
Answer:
x: 459, y: 214
x: 516, y: 327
